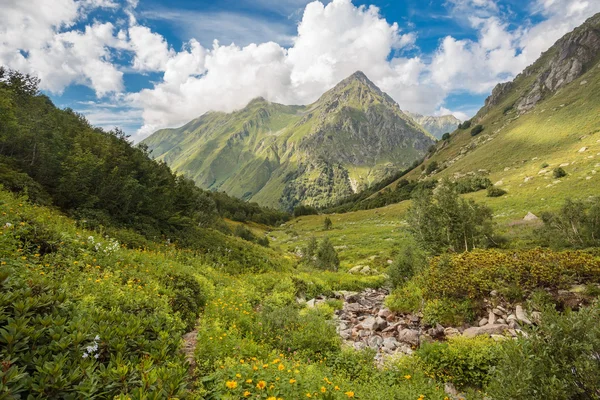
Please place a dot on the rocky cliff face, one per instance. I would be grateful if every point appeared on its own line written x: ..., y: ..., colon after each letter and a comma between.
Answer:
x: 282, y: 156
x: 436, y: 126
x: 567, y: 60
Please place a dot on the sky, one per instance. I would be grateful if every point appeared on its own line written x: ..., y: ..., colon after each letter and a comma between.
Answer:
x: 143, y: 65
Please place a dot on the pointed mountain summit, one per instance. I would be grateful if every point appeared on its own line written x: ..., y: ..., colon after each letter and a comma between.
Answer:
x: 283, y: 156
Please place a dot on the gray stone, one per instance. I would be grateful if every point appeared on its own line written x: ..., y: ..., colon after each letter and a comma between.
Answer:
x: 485, y: 330
x: 390, y: 343
x: 375, y: 342
x: 501, y: 321
x: 359, y: 345
x: 451, y: 332
x: 483, y: 321
x: 346, y: 334
x: 530, y: 217
x: 409, y: 336
x: 368, y: 323
x: 380, y: 324
x: 497, y: 311
x: 521, y: 316
x: 311, y: 303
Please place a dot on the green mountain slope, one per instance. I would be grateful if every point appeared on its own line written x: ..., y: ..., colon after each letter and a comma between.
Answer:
x: 547, y: 118
x: 436, y: 126
x: 282, y: 156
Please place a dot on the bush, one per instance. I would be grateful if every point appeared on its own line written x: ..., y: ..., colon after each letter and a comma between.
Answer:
x: 327, y: 257
x: 446, y: 136
x: 433, y: 166
x: 406, y: 299
x: 304, y: 210
x: 442, y: 220
x: 410, y: 261
x: 559, y: 173
x: 477, y: 130
x: 577, y: 224
x: 470, y: 184
x: 327, y: 224
x: 464, y: 362
x: 448, y: 312
x: 494, y: 191
x: 558, y: 360
x: 465, y: 125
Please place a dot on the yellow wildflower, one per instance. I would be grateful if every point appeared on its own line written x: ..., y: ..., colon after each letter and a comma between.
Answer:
x: 231, y: 384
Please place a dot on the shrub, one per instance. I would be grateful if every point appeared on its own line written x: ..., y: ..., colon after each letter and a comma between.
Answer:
x: 406, y: 299
x: 442, y: 220
x: 448, y: 312
x: 446, y: 136
x: 327, y: 224
x: 558, y: 360
x: 465, y: 125
x: 304, y: 210
x: 477, y: 130
x: 470, y: 184
x: 465, y: 362
x: 545, y: 165
x: 242, y: 232
x: 577, y: 224
x: 409, y: 261
x: 327, y: 257
x: 433, y: 166
x: 559, y: 173
x: 494, y: 191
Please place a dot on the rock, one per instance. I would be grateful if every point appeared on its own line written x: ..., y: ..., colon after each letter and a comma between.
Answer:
x: 352, y: 307
x: 497, y: 311
x: 451, y: 332
x: 436, y: 332
x: 384, y: 313
x: 409, y: 336
x: 501, y: 321
x: 414, y: 319
x: 390, y: 343
x: 494, y: 293
x: 513, y: 325
x: 393, y: 327
x: 536, y: 317
x: 582, y: 150
x: 527, y: 179
x: 521, y: 316
x: 491, y: 318
x: 311, y: 303
x: 530, y: 217
x: 483, y: 321
x: 380, y: 324
x: 497, y: 329
x: 498, y: 338
x: 578, y: 288
x: 346, y: 334
x: 512, y: 317
x: 375, y: 342
x: 564, y: 164
x: 368, y: 323
x: 366, y: 270
x: 359, y: 345
x: 543, y: 171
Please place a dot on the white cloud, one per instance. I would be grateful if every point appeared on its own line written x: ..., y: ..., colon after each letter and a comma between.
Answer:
x: 333, y: 40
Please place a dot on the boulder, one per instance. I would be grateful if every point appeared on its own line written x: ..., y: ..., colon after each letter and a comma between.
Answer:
x: 311, y: 303
x: 530, y: 217
x: 390, y: 343
x: 483, y: 321
x: 409, y: 336
x: 491, y: 318
x: 359, y: 345
x: 521, y: 316
x: 451, y: 332
x: 368, y: 323
x: 496, y: 329
x: 380, y: 324
x: 356, y: 270
x: 375, y: 342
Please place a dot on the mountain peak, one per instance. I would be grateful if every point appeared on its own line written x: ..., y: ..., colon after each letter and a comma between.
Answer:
x: 358, y: 76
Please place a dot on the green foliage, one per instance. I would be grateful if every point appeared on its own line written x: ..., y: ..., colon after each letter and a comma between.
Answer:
x: 464, y: 362
x: 327, y: 224
x: 431, y: 167
x: 545, y: 165
x: 326, y: 256
x: 465, y: 125
x: 494, y: 191
x: 577, y: 224
x: 243, y: 211
x: 477, y: 130
x: 446, y: 136
x: 448, y: 312
x: 557, y: 360
x: 242, y: 232
x: 310, y: 250
x: 442, y: 220
x: 559, y: 172
x: 470, y: 184
x: 406, y: 299
x: 304, y: 210
x: 409, y: 262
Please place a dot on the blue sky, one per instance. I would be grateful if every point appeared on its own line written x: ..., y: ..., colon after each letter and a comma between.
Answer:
x: 148, y: 64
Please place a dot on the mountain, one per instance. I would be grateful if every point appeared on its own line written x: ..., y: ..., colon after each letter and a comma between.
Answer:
x: 546, y: 118
x: 282, y: 156
x: 436, y: 126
